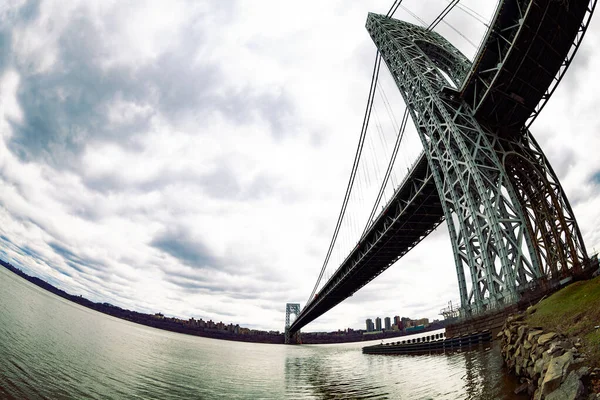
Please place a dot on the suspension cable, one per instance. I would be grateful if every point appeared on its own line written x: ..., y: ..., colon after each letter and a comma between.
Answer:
x: 461, y: 34
x: 361, y: 141
x: 442, y: 15
x: 415, y: 16
x: 388, y: 171
x: 393, y: 8
x: 468, y: 10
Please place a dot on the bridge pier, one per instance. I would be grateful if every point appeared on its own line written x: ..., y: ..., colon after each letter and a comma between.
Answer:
x: 291, y: 337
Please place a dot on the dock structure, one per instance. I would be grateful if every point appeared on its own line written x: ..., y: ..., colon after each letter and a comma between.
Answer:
x: 430, y: 344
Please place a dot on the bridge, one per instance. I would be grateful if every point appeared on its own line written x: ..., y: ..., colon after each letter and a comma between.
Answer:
x: 481, y: 171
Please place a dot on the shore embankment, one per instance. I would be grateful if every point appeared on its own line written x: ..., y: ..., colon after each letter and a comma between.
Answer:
x: 554, y: 346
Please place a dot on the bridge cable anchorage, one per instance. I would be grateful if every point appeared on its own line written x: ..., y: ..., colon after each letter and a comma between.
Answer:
x: 357, y: 156
x: 442, y: 15
x: 387, y: 172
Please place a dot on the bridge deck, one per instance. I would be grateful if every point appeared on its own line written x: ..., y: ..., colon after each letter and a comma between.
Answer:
x: 520, y: 58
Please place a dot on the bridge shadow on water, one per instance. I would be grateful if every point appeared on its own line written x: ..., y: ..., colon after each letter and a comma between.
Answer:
x: 343, y: 372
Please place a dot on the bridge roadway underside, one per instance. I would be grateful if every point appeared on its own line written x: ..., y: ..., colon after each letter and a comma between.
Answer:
x: 520, y: 58
x: 413, y: 213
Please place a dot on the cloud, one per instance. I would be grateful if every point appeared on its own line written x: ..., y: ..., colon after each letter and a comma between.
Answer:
x: 83, y: 96
x: 191, y: 251
x: 596, y: 178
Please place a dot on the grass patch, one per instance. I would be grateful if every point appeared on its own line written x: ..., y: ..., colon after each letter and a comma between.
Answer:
x: 573, y: 311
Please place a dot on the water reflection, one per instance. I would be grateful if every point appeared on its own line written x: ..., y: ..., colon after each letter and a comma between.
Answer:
x: 336, y: 371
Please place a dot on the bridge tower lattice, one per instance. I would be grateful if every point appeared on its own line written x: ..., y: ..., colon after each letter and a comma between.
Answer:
x: 291, y: 309
x: 511, y: 226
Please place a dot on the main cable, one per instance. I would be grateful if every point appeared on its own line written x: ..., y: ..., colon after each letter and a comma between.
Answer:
x: 442, y: 15
x: 393, y: 8
x: 359, y: 148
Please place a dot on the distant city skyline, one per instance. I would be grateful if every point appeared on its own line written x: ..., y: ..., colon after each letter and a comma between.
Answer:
x: 400, y: 323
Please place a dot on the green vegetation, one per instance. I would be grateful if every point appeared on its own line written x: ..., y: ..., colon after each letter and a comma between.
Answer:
x: 573, y: 311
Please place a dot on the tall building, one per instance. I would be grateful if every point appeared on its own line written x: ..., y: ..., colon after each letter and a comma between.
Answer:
x: 378, y: 324
x: 388, y: 323
x: 370, y: 327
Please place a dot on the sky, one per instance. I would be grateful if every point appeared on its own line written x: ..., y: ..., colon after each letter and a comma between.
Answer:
x: 191, y: 157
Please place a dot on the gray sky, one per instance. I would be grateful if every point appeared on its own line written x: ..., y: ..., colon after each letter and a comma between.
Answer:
x: 191, y: 157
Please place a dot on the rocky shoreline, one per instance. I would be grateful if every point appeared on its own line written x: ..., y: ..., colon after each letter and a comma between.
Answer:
x: 549, y: 365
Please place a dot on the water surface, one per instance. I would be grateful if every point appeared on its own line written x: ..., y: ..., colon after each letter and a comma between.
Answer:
x: 52, y: 348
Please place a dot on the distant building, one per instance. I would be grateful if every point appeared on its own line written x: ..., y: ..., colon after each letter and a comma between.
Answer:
x: 422, y: 321
x: 378, y: 323
x: 370, y: 327
x: 397, y: 321
x: 388, y: 323
x: 406, y: 322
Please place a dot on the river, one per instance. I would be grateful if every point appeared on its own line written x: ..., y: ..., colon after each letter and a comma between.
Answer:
x: 52, y: 348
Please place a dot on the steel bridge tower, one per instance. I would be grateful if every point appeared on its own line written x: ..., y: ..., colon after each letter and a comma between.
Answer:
x: 511, y: 226
x: 291, y: 308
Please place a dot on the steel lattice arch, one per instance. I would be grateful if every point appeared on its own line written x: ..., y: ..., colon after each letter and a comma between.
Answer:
x: 511, y: 227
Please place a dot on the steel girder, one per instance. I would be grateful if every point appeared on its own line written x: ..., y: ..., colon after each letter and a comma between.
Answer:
x: 550, y: 219
x: 524, y: 56
x: 486, y: 222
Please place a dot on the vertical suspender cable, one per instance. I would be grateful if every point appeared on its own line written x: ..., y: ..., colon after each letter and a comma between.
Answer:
x: 361, y: 141
x: 388, y: 171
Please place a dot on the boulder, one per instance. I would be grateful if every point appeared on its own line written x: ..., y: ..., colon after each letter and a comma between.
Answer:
x: 546, y: 337
x: 556, y: 350
x: 538, y: 367
x: 521, y: 332
x: 533, y: 334
x: 557, y: 369
x: 571, y: 389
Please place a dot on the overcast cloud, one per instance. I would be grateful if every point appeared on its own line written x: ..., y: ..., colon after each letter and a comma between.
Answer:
x: 190, y: 157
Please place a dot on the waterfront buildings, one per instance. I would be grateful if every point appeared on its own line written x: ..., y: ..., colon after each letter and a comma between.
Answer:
x: 399, y: 324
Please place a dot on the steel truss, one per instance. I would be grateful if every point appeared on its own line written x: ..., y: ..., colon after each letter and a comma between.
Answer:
x: 510, y: 224
x: 291, y: 308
